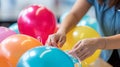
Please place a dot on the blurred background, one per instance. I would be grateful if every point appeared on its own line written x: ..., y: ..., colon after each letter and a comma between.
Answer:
x: 10, y: 9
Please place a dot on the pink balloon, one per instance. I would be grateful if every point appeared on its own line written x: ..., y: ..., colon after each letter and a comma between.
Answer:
x: 37, y: 21
x: 5, y: 32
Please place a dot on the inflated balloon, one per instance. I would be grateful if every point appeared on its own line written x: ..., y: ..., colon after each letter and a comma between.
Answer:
x: 45, y: 56
x: 14, y: 46
x: 5, y: 32
x: 14, y: 27
x: 75, y: 61
x: 37, y: 21
x: 84, y: 64
x: 79, y: 33
x: 3, y: 61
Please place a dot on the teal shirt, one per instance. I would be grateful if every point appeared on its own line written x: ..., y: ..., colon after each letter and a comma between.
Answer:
x: 109, y: 23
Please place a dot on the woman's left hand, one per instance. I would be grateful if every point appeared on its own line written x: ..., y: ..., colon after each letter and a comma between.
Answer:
x: 85, y: 48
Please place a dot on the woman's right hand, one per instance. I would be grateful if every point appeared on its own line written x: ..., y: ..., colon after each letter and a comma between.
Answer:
x: 56, y: 39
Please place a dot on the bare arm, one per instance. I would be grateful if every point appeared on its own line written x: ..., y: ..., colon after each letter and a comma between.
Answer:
x: 87, y: 47
x: 111, y: 42
x: 76, y: 13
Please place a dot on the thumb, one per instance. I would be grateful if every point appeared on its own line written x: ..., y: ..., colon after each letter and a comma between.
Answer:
x: 71, y: 52
x: 74, y: 48
x: 76, y: 45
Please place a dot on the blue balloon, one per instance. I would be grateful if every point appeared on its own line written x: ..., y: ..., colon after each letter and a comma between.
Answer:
x: 45, y: 56
x: 14, y: 27
x: 75, y: 60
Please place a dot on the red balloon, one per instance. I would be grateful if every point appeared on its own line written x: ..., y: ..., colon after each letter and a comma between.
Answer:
x: 37, y: 21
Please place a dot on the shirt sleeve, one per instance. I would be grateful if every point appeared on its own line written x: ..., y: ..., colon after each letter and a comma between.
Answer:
x: 91, y: 1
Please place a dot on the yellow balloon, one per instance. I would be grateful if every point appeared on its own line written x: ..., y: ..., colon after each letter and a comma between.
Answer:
x: 77, y: 65
x: 84, y: 64
x: 79, y: 33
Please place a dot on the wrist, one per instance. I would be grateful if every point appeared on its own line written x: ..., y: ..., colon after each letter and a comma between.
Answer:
x: 102, y: 42
x: 63, y: 31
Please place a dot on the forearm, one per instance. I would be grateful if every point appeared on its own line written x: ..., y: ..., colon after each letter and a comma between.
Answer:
x: 77, y: 12
x: 111, y: 42
x: 69, y: 22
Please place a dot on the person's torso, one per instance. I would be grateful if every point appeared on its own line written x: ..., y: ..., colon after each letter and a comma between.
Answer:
x: 109, y: 22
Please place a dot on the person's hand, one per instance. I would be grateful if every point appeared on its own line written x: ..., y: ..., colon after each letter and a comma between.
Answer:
x: 57, y: 39
x: 85, y: 48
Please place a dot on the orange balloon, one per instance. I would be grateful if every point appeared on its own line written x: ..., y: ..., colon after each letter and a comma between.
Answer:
x: 3, y: 61
x: 14, y: 46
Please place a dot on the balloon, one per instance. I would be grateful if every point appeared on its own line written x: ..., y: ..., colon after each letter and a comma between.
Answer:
x: 45, y: 56
x: 79, y: 33
x: 14, y: 46
x: 14, y: 27
x: 37, y: 21
x: 84, y: 64
x: 75, y: 61
x: 3, y: 61
x: 5, y: 32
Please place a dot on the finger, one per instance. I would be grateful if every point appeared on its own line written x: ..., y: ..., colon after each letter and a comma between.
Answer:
x: 75, y: 50
x: 82, y: 47
x: 77, y: 44
x: 61, y: 41
x: 50, y: 41
x: 72, y: 53
x: 84, y: 56
x: 53, y: 41
x: 81, y: 53
x: 79, y: 49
